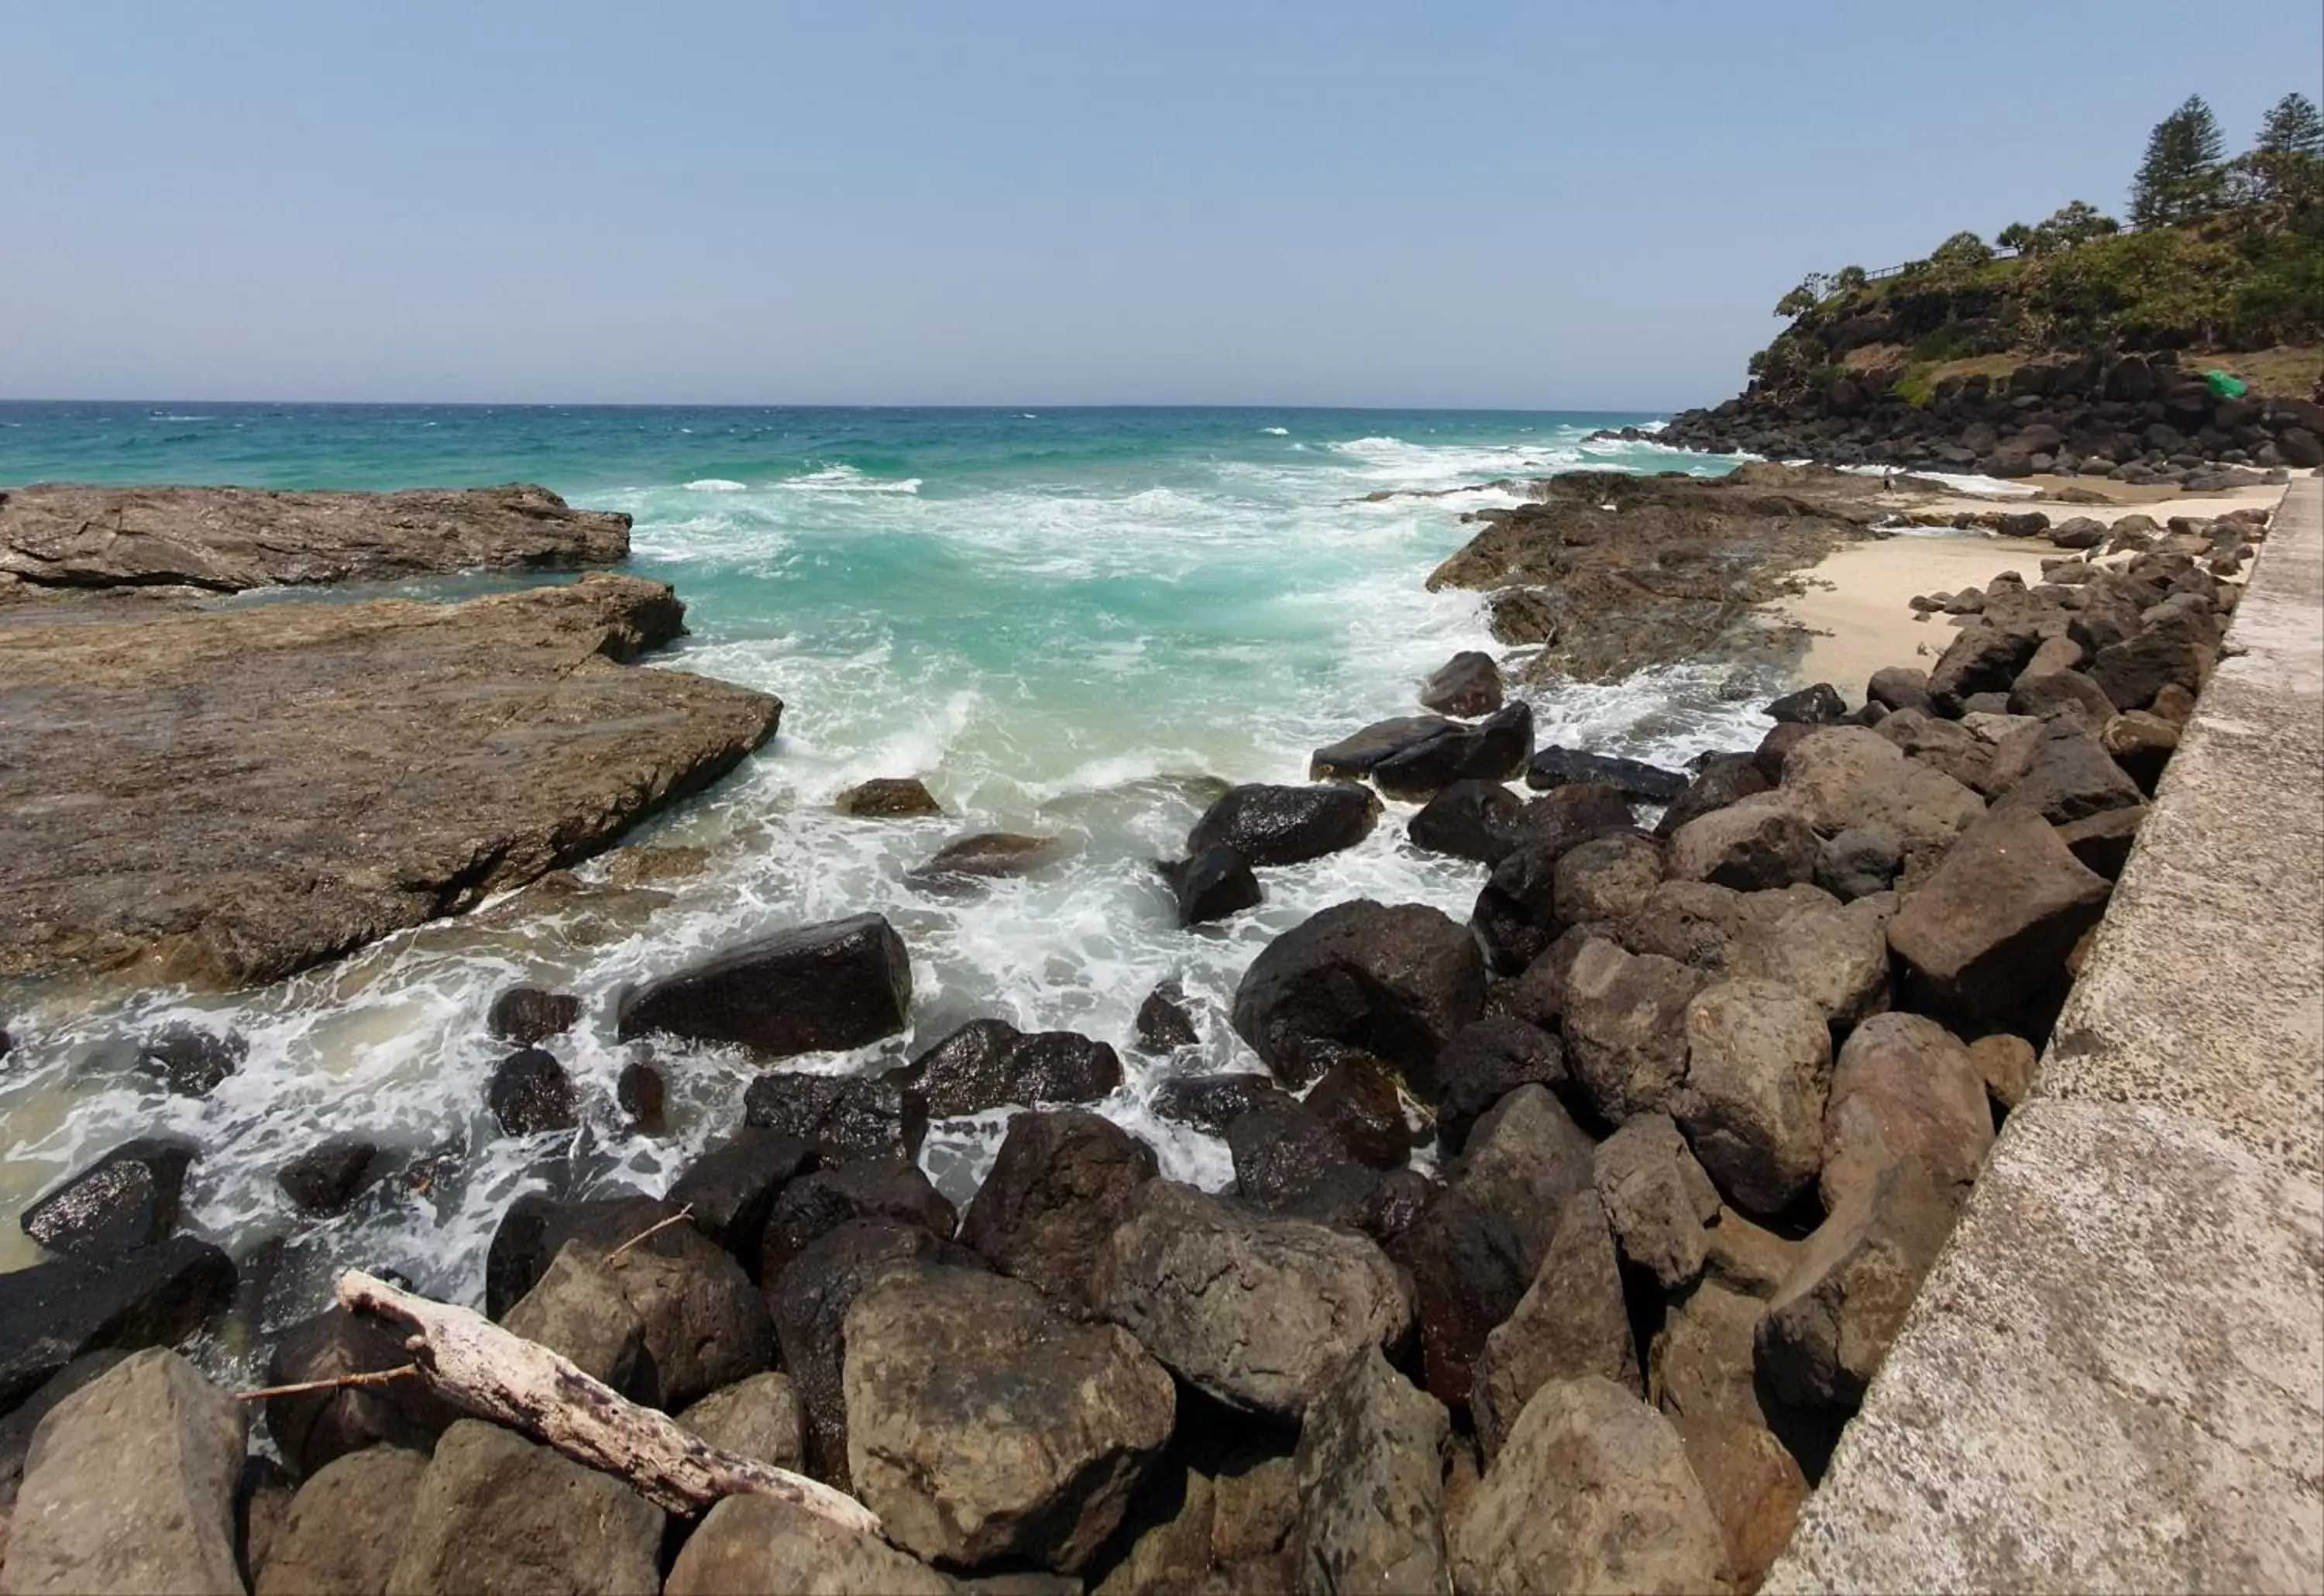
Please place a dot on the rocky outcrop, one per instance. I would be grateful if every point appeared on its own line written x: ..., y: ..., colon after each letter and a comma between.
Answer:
x: 1466, y: 685
x: 59, y: 535
x: 889, y: 797
x: 1572, y: 1320
x: 443, y: 753
x: 127, y: 1199
x: 1623, y: 572
x: 982, y: 1425
x: 129, y: 1487
x: 816, y: 988
x: 1260, y: 1313
x: 2132, y: 417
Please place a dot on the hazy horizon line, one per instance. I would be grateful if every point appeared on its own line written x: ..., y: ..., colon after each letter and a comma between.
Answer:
x: 1018, y: 407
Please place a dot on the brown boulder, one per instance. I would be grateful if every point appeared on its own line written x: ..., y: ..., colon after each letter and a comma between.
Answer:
x: 1394, y: 982
x: 1903, y: 1088
x: 1991, y: 929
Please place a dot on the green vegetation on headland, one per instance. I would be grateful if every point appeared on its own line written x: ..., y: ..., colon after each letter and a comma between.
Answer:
x: 2219, y: 255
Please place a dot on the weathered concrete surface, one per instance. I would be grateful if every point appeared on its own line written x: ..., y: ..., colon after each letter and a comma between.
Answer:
x: 56, y: 535
x: 222, y: 798
x: 2113, y: 1377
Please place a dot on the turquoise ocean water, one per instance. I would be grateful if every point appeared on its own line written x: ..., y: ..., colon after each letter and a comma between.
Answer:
x: 1073, y: 622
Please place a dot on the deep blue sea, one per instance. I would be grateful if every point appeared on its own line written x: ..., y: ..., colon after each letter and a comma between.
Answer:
x: 1073, y: 622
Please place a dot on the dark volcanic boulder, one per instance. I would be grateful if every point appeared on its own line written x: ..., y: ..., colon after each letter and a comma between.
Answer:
x: 1165, y: 1022
x: 1475, y: 820
x: 1565, y: 767
x: 2064, y: 774
x: 1061, y: 1182
x: 731, y: 1189
x: 1213, y: 1103
x: 1758, y: 843
x: 535, y: 1228
x: 1357, y: 1099
x: 1484, y: 1063
x: 817, y: 989
x: 1466, y: 685
x: 1516, y: 914
x: 128, y: 1198
x: 1984, y: 659
x: 809, y: 1304
x: 345, y: 1527
x: 1287, y: 1160
x: 1394, y: 982
x: 843, y: 1116
x: 1991, y: 929
x: 1419, y: 756
x: 55, y: 1311
x: 526, y: 1015
x: 989, y: 1062
x: 1211, y: 885
x: 1899, y: 687
x: 870, y: 1188
x: 327, y: 1177
x: 1819, y: 706
x: 1571, y: 1320
x: 1270, y: 825
x: 531, y: 1092
x: 641, y: 1093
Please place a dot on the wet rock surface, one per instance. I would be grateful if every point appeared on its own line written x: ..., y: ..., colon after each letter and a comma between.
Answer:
x: 840, y: 984
x: 1275, y: 824
x: 419, y: 791
x: 1393, y: 981
x: 1371, y: 1485
x: 127, y: 1199
x: 57, y: 1311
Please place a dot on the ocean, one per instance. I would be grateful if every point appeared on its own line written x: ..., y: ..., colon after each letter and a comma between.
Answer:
x: 1071, y: 623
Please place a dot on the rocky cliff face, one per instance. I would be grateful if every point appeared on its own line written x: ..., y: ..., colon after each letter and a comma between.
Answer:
x: 2132, y: 418
x: 56, y: 535
x: 224, y: 798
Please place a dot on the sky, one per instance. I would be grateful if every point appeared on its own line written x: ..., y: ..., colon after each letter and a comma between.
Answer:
x: 1492, y: 205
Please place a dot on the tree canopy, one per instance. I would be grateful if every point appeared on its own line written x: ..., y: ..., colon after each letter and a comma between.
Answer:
x: 2183, y: 174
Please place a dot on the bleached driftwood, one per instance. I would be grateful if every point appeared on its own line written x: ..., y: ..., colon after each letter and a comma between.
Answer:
x: 482, y: 1368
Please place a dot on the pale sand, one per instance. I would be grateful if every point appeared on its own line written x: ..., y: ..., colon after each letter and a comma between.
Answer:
x: 1856, y: 609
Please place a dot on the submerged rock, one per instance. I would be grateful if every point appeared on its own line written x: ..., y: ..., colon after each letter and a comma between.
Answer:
x: 889, y: 797
x: 843, y: 1117
x: 1418, y: 756
x: 530, y: 1093
x: 326, y: 1179
x: 828, y: 987
x: 192, y: 1062
x: 1165, y: 1022
x: 527, y: 1016
x: 1212, y: 885
x: 986, y: 856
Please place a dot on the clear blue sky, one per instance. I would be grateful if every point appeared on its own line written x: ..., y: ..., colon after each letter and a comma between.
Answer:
x: 1494, y: 204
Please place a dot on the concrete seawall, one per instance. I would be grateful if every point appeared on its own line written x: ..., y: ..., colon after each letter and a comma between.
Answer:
x: 2113, y: 1377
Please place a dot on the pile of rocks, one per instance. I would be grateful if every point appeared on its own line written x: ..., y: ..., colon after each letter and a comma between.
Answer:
x: 1699, y: 1098
x: 2131, y: 418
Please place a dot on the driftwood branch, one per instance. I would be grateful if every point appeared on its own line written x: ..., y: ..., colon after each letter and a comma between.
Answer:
x: 479, y: 1366
x: 343, y: 1383
x: 654, y: 1229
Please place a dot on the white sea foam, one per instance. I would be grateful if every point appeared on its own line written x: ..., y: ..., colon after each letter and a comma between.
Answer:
x: 716, y: 485
x: 846, y: 479
x: 1276, y: 432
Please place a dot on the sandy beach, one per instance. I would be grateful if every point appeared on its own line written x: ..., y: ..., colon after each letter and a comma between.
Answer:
x: 1855, y: 609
